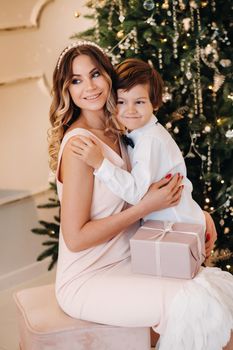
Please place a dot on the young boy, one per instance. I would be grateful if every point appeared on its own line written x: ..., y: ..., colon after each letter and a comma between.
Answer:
x: 153, y: 153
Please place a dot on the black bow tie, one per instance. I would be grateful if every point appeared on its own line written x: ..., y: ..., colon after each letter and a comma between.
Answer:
x: 128, y: 141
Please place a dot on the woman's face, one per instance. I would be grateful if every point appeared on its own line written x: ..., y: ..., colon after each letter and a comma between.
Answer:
x: 89, y: 89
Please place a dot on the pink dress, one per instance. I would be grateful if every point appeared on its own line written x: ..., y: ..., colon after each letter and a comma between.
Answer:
x: 97, y: 284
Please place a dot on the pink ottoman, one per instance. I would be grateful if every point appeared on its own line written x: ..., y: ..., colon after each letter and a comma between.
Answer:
x: 44, y: 326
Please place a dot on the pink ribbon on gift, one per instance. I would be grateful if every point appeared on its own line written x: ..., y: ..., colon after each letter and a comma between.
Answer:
x: 161, y: 234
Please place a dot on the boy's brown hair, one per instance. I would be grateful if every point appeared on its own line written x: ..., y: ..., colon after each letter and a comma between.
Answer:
x: 132, y: 72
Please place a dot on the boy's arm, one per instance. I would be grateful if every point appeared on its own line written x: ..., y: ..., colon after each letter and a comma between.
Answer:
x: 129, y: 186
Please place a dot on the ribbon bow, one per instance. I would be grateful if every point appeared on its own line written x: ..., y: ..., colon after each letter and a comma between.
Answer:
x: 127, y: 140
x: 161, y: 234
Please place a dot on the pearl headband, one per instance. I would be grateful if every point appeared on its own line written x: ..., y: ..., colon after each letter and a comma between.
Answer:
x: 77, y: 44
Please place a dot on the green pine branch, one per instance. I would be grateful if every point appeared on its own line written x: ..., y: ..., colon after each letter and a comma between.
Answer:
x: 50, y: 229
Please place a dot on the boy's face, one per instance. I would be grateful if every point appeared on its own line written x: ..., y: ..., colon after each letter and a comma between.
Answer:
x: 134, y: 108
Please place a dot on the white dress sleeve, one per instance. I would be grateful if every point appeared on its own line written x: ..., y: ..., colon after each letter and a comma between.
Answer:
x: 132, y: 186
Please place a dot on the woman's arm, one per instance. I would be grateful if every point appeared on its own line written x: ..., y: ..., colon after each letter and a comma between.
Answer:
x: 79, y: 231
x: 211, y: 234
x: 129, y: 186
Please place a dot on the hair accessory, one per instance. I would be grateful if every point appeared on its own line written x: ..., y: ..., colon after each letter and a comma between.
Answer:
x: 77, y: 44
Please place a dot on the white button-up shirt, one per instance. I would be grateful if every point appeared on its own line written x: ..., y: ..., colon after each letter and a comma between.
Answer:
x: 155, y: 154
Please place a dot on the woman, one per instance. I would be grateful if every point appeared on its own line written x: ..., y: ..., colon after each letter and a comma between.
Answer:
x: 94, y: 259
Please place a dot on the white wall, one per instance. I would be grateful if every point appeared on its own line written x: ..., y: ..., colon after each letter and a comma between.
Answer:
x: 19, y: 247
x: 32, y: 34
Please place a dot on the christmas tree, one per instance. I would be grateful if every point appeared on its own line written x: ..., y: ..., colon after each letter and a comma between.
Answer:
x: 188, y: 42
x: 50, y: 229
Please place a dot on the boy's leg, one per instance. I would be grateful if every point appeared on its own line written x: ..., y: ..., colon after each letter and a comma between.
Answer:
x: 230, y: 344
x: 154, y: 337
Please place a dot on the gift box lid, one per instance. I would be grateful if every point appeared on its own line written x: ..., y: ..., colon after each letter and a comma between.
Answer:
x: 179, y: 233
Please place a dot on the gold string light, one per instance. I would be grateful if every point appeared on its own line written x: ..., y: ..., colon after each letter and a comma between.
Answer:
x: 176, y: 35
x: 77, y: 14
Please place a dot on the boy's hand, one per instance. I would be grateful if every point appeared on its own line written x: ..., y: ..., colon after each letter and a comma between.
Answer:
x: 87, y: 150
x: 211, y: 234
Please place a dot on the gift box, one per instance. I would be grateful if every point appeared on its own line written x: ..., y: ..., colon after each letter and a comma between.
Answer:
x: 168, y: 249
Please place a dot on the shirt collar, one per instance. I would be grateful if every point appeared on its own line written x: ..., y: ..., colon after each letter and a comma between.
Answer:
x: 134, y: 134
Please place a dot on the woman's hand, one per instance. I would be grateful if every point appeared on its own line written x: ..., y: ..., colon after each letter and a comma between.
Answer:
x: 87, y: 150
x: 163, y: 194
x: 211, y: 234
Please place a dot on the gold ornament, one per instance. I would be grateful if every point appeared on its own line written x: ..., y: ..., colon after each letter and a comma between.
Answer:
x: 165, y: 5
x: 182, y: 5
x: 77, y: 14
x: 120, y: 34
x: 207, y: 128
x: 101, y: 3
x: 225, y: 63
x: 186, y: 23
x: 193, y: 4
x: 204, y: 3
x: 96, y: 3
x: 218, y: 81
x: 132, y: 3
x: 222, y: 222
x: 90, y: 3
x: 177, y: 116
x: 179, y: 113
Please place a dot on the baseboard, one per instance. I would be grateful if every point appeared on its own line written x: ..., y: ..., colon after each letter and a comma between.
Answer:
x: 10, y: 196
x: 24, y: 274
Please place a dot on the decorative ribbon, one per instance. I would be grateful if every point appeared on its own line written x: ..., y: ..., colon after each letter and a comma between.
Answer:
x: 161, y: 234
x: 127, y: 140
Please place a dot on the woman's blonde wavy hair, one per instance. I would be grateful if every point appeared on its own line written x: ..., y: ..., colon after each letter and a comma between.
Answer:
x: 63, y: 111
